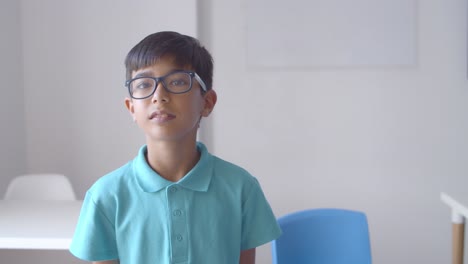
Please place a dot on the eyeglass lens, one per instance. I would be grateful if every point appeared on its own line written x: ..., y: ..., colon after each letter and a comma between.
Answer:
x: 177, y: 82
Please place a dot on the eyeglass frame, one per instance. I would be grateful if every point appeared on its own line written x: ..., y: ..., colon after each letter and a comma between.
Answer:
x: 158, y: 80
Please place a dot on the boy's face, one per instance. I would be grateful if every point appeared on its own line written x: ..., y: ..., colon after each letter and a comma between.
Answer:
x: 165, y: 116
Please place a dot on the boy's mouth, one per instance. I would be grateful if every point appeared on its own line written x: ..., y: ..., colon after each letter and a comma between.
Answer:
x: 161, y: 116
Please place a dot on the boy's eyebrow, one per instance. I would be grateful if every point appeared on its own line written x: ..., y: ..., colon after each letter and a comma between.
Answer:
x: 149, y: 73
x: 144, y: 74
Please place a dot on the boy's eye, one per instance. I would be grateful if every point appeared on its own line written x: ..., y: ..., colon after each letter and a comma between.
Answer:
x: 144, y: 83
x: 178, y: 82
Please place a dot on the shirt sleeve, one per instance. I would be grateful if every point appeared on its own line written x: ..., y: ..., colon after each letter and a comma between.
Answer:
x: 259, y: 225
x: 94, y: 237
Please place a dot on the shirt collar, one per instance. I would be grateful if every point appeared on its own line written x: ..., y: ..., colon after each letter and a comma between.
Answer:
x: 197, y: 179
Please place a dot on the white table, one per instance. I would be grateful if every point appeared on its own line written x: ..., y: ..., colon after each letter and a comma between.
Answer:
x: 37, y: 224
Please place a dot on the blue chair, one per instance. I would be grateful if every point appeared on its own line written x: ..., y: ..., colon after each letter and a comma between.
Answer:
x: 323, y: 236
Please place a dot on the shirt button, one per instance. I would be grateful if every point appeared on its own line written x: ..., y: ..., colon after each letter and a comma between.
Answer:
x: 173, y: 189
x: 177, y: 212
x: 179, y: 237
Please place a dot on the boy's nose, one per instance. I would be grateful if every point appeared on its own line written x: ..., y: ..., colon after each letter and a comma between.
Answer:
x: 160, y: 95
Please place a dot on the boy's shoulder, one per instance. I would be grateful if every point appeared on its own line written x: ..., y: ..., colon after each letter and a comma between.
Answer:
x: 230, y: 171
x: 228, y: 166
x: 112, y: 181
x: 221, y: 168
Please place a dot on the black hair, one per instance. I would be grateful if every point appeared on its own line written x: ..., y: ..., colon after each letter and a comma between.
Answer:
x: 186, y: 52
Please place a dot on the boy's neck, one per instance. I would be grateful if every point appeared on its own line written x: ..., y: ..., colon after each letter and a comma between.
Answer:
x: 172, y: 160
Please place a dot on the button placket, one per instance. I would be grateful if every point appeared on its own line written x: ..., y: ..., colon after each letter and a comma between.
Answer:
x: 177, y: 212
x: 179, y: 241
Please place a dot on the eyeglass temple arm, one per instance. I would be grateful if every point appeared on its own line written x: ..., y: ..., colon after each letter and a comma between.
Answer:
x: 200, y: 81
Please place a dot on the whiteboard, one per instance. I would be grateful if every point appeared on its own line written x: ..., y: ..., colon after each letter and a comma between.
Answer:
x: 321, y: 33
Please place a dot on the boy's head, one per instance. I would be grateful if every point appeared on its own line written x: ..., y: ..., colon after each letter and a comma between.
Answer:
x: 185, y: 51
x: 170, y: 60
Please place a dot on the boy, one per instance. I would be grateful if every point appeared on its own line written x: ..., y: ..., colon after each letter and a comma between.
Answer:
x: 175, y: 202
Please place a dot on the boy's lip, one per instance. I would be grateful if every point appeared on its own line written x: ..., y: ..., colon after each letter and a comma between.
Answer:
x: 161, y: 115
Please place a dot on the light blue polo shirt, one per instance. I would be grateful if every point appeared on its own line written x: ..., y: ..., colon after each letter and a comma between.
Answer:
x: 213, y: 213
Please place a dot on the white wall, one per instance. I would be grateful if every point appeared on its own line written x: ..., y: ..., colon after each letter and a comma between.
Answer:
x: 12, y: 137
x: 384, y: 140
x: 72, y: 115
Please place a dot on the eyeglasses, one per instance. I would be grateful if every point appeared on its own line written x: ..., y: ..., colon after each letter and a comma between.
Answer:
x: 176, y: 82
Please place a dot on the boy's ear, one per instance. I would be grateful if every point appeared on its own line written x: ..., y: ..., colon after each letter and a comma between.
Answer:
x: 210, y: 101
x: 129, y: 105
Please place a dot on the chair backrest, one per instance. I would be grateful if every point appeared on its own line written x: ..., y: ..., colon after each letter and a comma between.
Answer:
x: 323, y: 236
x: 40, y: 187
